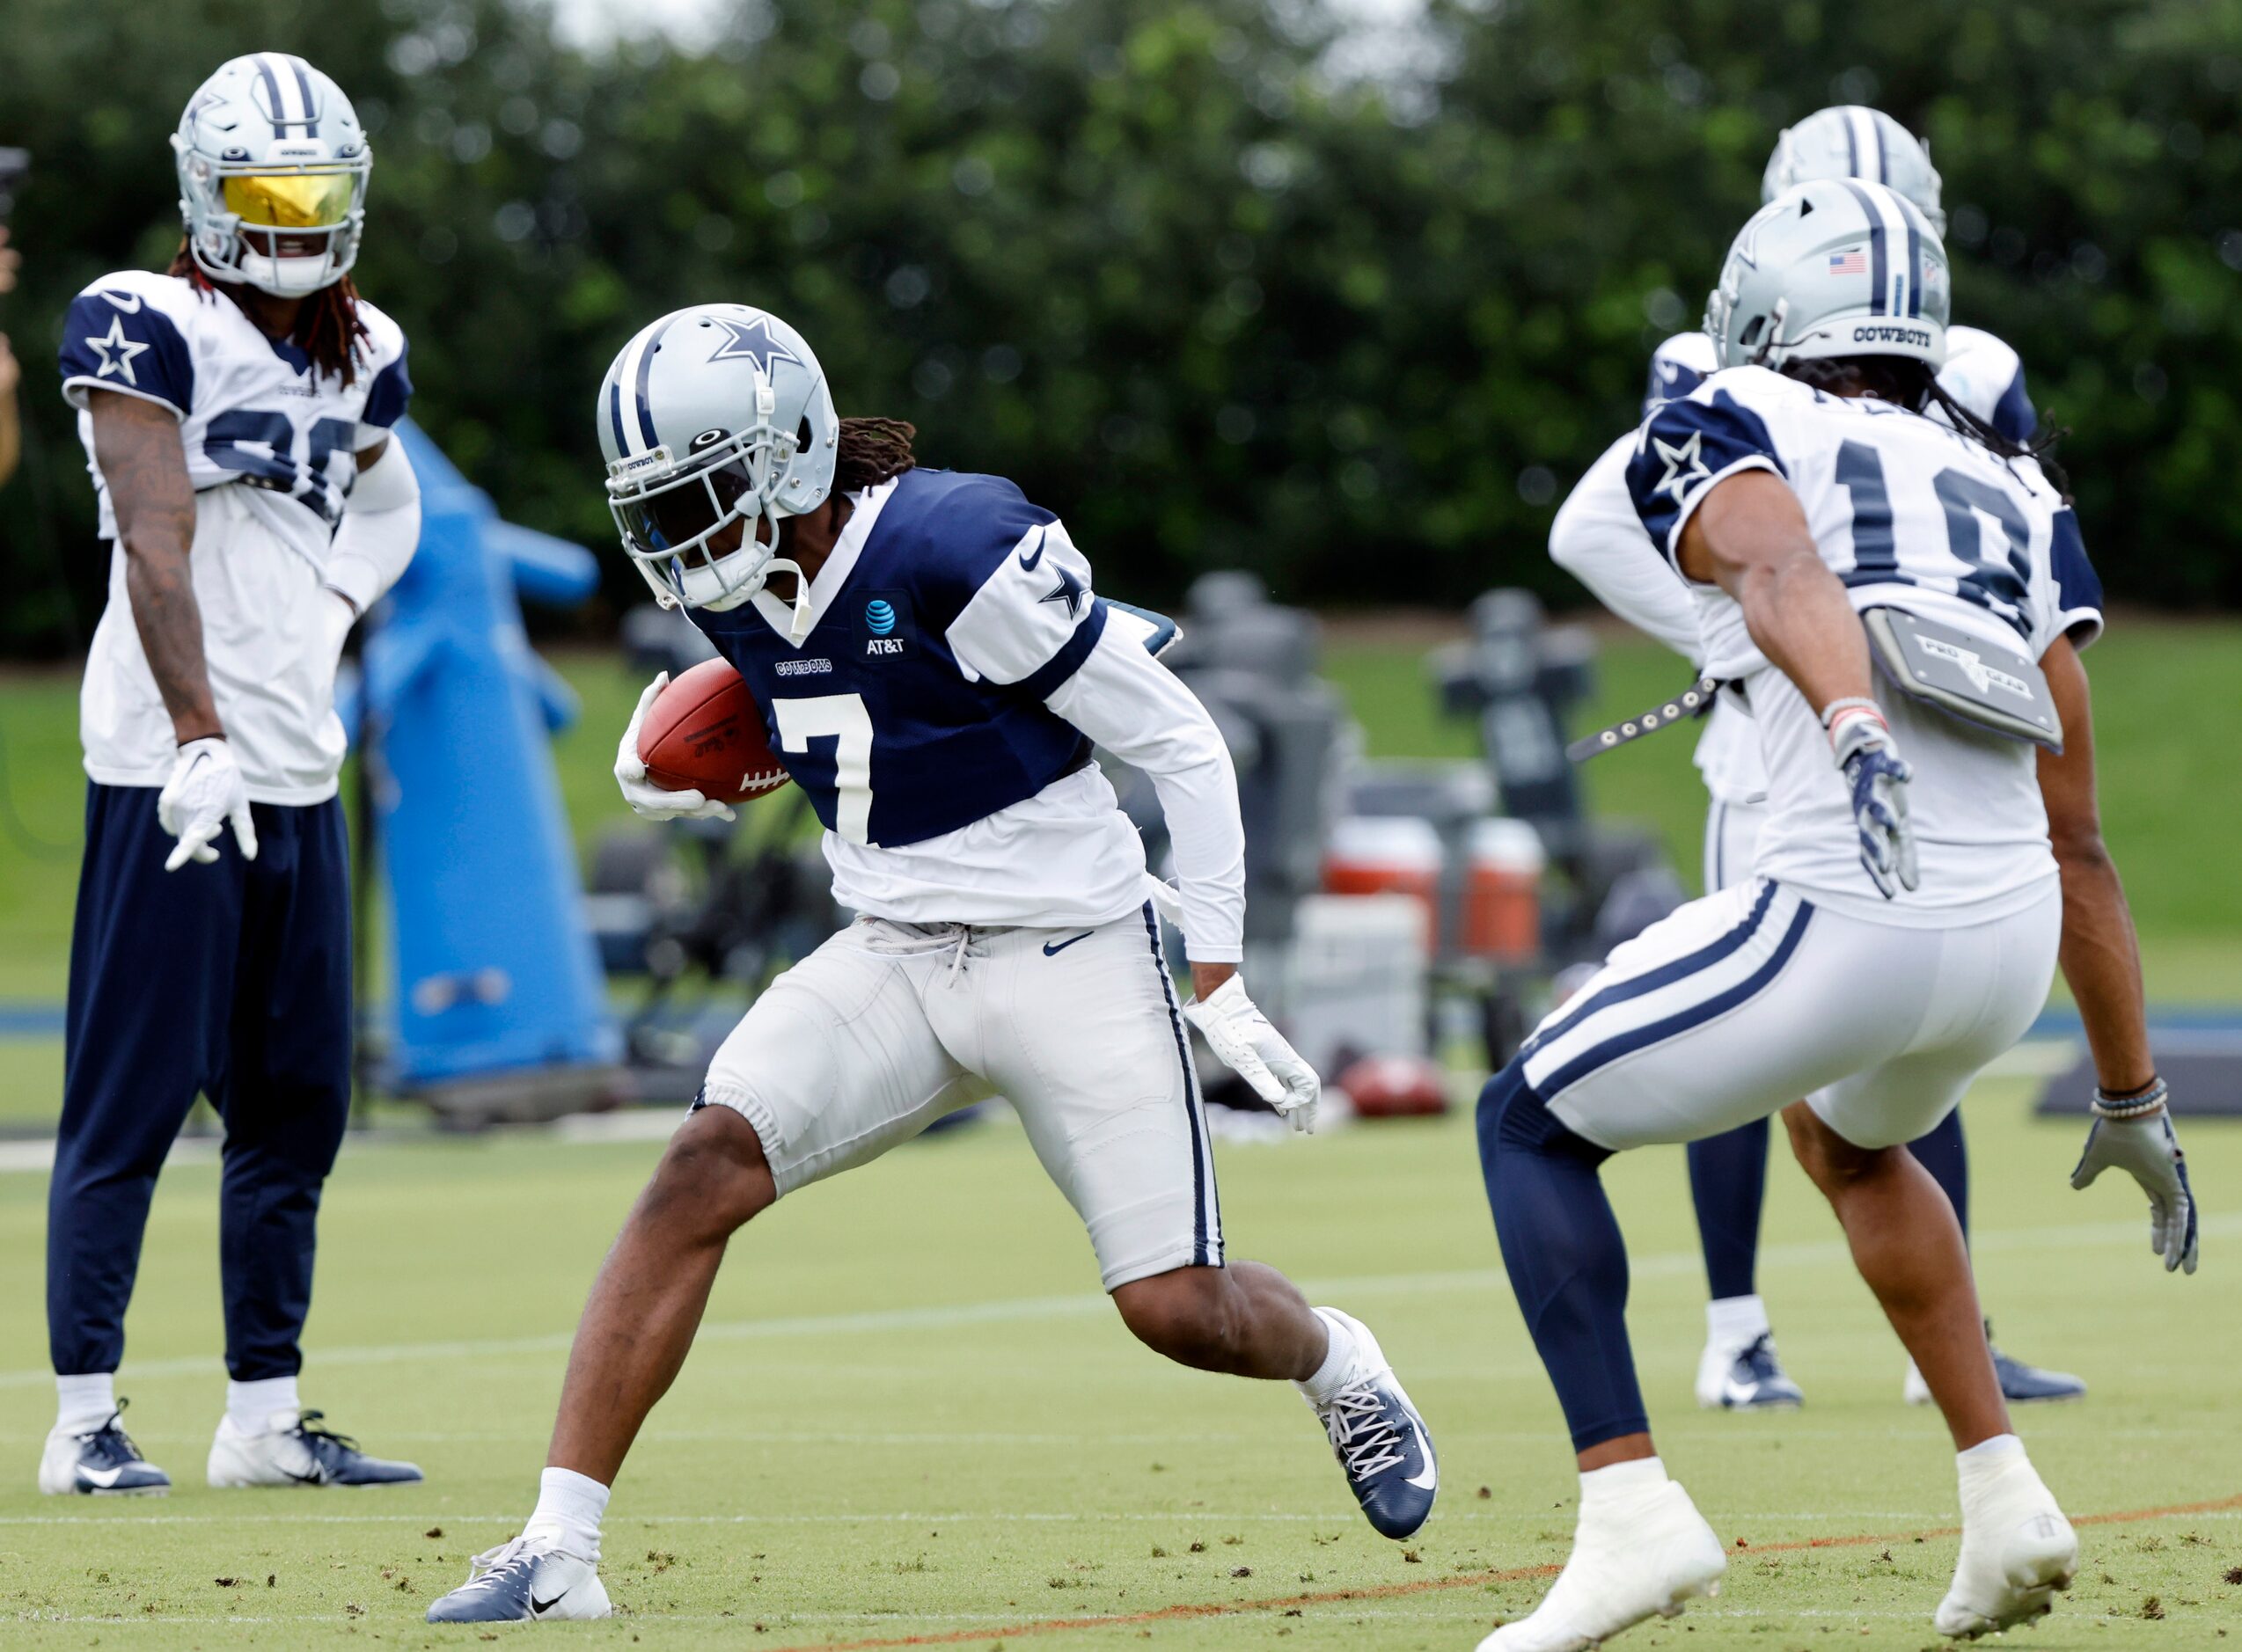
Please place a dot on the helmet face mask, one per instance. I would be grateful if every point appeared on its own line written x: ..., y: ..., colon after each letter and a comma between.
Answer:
x: 716, y: 425
x: 272, y: 171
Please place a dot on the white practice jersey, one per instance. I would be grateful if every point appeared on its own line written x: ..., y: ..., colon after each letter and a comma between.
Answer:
x: 272, y: 450
x: 1598, y: 538
x: 1908, y: 512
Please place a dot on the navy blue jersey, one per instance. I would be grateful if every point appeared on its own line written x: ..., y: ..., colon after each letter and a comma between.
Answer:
x: 950, y: 607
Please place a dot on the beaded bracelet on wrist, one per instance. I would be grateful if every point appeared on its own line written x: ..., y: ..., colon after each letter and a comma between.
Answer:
x: 2131, y: 1106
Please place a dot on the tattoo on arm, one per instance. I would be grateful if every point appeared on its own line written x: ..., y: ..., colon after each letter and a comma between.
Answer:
x: 137, y: 445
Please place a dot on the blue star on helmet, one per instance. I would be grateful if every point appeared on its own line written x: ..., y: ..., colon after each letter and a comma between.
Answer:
x: 754, y: 341
x: 1684, y: 464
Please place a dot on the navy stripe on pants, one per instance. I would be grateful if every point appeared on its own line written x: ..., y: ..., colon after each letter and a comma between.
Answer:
x: 232, y: 980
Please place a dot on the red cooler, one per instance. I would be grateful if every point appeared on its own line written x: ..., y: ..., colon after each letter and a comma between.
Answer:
x: 1502, y: 905
x: 1377, y: 854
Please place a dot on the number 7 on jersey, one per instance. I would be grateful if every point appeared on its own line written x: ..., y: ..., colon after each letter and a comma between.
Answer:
x: 842, y: 718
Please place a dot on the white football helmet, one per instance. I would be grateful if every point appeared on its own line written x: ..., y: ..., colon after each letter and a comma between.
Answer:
x: 1834, y: 267
x: 715, y: 415
x: 272, y: 176
x: 1850, y: 142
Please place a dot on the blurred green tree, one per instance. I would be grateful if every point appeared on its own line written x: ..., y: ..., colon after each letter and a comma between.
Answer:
x: 1173, y: 265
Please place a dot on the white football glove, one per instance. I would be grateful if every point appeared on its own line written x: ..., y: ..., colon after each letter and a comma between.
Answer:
x: 2146, y: 1150
x: 1878, y: 780
x: 205, y: 792
x: 1241, y: 1035
x: 652, y: 802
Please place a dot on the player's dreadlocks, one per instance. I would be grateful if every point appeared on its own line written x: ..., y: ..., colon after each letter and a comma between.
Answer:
x: 1906, y: 383
x: 872, y: 451
x: 328, y: 328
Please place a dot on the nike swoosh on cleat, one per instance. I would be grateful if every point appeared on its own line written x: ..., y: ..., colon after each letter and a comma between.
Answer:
x: 314, y: 1478
x: 1028, y: 564
x: 538, y: 1608
x: 1051, y: 950
x: 1430, y: 1479
x: 105, y: 1478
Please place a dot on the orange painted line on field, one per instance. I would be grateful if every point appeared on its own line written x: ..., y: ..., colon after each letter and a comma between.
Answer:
x: 1186, y: 1610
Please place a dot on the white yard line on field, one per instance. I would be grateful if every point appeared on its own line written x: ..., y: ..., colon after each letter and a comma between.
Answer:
x: 950, y: 1316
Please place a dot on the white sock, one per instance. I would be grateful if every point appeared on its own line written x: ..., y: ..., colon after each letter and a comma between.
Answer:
x: 1985, y: 1463
x: 569, y: 1510
x: 251, y: 1405
x: 1620, y: 1483
x: 1735, y: 1322
x: 83, y: 1404
x: 1338, y: 1360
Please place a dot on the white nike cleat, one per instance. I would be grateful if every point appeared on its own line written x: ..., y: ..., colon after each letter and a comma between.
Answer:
x: 1748, y: 1376
x: 2017, y: 1552
x: 296, y: 1451
x: 525, y: 1581
x: 100, y: 1462
x: 1638, y: 1557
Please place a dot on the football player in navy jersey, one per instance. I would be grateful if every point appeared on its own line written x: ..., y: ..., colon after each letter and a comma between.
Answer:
x: 933, y: 663
x: 1599, y: 539
x: 236, y: 414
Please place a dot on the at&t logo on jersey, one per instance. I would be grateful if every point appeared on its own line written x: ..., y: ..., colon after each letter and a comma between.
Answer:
x: 884, y: 624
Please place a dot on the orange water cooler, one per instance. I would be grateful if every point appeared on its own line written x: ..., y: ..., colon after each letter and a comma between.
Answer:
x: 1376, y: 854
x: 1502, y: 901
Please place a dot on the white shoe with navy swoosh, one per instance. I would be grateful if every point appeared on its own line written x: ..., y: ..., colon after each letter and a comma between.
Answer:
x: 100, y: 1462
x: 525, y: 1581
x: 296, y: 1451
x: 1379, y: 1438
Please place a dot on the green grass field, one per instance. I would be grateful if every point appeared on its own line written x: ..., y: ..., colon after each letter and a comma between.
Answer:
x: 912, y: 1418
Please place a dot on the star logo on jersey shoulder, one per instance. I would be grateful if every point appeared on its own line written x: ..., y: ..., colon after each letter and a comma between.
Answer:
x: 1069, y: 590
x: 753, y: 341
x: 116, y: 351
x: 1684, y: 465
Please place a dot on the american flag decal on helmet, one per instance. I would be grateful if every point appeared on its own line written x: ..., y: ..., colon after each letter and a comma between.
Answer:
x: 1851, y: 261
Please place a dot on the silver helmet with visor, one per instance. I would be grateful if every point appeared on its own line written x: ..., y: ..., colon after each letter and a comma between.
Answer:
x: 716, y: 424
x: 1832, y: 269
x: 272, y: 176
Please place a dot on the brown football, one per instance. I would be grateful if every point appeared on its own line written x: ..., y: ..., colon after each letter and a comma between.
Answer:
x: 703, y: 732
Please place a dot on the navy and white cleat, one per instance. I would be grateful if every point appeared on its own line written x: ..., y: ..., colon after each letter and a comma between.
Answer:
x: 297, y: 1452
x: 101, y: 1462
x: 1749, y: 1378
x: 1379, y: 1438
x: 521, y: 1582
x: 2021, y: 1385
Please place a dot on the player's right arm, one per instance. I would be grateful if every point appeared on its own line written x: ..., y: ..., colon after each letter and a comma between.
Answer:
x: 144, y: 466
x: 2101, y: 960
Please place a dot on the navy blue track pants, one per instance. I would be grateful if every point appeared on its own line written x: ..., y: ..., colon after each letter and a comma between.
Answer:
x: 232, y: 980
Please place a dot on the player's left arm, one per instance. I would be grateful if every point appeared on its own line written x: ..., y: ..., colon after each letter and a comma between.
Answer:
x: 381, y: 519
x: 1749, y: 535
x: 1134, y: 706
x: 2101, y: 960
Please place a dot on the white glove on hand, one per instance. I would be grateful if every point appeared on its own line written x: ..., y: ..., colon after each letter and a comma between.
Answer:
x: 1878, y: 781
x: 2146, y: 1150
x: 205, y: 792
x: 1241, y: 1035
x: 652, y: 802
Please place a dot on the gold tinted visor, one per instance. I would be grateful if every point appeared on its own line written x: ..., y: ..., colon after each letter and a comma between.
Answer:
x: 290, y: 200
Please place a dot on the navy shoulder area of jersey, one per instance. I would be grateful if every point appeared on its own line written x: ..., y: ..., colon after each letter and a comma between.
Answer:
x: 1688, y: 445
x: 1985, y: 374
x: 946, y: 532
x: 131, y: 331
x: 2078, y: 589
x: 391, y: 387
x: 1678, y: 367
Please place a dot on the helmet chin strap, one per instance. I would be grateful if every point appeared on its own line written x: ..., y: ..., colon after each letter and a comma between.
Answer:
x: 799, y: 627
